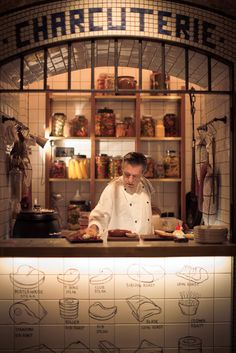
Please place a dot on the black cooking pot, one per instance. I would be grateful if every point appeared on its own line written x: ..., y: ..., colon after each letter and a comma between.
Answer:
x: 41, y: 223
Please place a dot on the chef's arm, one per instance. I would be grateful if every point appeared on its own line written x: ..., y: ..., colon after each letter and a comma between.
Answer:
x: 100, y: 216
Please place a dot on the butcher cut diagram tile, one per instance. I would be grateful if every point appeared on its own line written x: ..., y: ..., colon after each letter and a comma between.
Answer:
x: 69, y: 308
x: 145, y: 274
x: 100, y: 312
x: 27, y: 277
x: 104, y: 275
x: 27, y: 312
x: 142, y: 307
x: 70, y: 277
x: 194, y: 274
x: 108, y: 347
x: 188, y: 303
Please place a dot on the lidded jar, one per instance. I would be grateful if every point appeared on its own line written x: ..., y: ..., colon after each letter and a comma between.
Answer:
x: 147, y: 126
x: 171, y: 164
x: 58, y: 123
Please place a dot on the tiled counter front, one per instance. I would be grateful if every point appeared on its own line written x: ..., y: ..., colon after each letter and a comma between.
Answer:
x: 80, y: 305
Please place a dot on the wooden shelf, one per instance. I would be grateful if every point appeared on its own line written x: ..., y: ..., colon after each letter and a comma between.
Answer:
x: 116, y: 97
x: 160, y: 98
x: 114, y: 138
x: 70, y: 96
x: 160, y: 139
x: 159, y: 180
x: 166, y: 180
x: 66, y: 180
x: 55, y: 138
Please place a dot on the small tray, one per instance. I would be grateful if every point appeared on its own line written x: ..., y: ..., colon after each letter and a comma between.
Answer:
x: 122, y: 238
x: 154, y: 237
x: 81, y: 240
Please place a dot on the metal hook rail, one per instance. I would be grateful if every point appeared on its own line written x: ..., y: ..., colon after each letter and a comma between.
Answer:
x: 204, y: 127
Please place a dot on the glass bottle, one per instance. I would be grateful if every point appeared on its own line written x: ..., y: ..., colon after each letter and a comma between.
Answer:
x: 159, y: 128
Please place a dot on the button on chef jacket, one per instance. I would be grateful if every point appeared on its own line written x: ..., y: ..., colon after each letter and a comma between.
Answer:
x: 118, y: 209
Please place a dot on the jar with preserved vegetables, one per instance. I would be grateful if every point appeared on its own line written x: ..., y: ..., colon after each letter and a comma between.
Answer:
x: 105, y: 123
x: 79, y: 126
x: 170, y: 123
x: 102, y: 166
x: 58, y: 169
x: 58, y: 123
x: 129, y: 126
x: 147, y: 126
x: 150, y: 171
x: 171, y: 164
x: 115, y: 167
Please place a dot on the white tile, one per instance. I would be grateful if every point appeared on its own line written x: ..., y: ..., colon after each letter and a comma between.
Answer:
x: 222, y: 310
x: 127, y: 336
x: 222, y: 286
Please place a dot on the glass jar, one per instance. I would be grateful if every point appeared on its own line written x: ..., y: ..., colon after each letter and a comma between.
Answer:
x: 58, y: 123
x: 170, y: 124
x: 159, y: 129
x: 102, y: 166
x: 120, y: 129
x: 160, y: 170
x: 79, y: 126
x: 157, y: 82
x: 129, y: 126
x: 147, y: 126
x: 58, y: 169
x: 78, y: 167
x: 126, y: 83
x: 171, y: 164
x: 115, y: 167
x: 105, y: 123
x: 150, y: 171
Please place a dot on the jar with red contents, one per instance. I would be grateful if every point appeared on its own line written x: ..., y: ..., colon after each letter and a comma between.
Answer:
x: 102, y: 166
x: 58, y: 169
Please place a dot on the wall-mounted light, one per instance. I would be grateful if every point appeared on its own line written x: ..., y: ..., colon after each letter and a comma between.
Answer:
x: 40, y: 140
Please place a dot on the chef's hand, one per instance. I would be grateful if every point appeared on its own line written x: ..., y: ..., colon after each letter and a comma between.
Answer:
x: 92, y: 230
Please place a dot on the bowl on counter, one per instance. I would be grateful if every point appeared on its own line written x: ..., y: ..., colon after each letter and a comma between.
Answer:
x: 211, y: 234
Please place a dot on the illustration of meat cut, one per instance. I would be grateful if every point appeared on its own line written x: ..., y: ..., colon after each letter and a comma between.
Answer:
x: 193, y: 274
x: 104, y: 275
x: 98, y: 311
x: 70, y: 277
x: 77, y: 347
x: 27, y: 277
x: 27, y: 312
x: 145, y: 274
x: 69, y: 308
x: 148, y: 347
x: 108, y: 347
x: 142, y: 307
x: 36, y: 349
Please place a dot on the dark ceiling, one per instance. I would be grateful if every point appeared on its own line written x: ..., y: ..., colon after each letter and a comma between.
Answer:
x: 228, y: 7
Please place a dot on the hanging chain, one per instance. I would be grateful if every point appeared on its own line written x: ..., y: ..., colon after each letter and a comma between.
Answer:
x: 192, y: 102
x: 193, y: 110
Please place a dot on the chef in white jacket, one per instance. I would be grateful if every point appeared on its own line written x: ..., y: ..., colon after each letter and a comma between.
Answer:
x: 125, y: 203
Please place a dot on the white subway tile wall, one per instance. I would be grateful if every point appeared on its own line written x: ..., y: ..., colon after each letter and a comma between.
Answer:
x: 127, y: 304
x: 217, y: 107
x: 9, y: 106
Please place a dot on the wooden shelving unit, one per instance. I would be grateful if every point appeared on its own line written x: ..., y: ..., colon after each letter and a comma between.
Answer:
x: 138, y: 100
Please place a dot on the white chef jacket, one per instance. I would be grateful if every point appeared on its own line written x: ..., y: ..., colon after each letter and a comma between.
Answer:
x: 118, y: 209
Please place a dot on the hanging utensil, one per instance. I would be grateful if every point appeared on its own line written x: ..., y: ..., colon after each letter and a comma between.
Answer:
x: 193, y: 216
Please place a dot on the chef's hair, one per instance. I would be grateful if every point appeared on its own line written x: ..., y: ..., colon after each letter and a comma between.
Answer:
x: 136, y: 158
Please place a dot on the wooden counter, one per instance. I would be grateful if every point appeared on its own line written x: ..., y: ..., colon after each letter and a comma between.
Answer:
x: 62, y: 248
